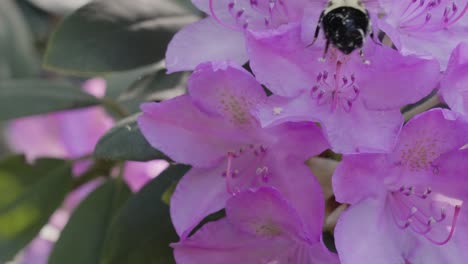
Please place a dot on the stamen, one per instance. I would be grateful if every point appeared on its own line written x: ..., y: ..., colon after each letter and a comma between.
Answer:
x: 420, y: 211
x: 243, y: 169
x: 245, y: 14
x: 343, y: 92
x: 431, y: 15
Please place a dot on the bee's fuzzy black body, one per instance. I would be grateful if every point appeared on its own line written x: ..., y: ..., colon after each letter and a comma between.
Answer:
x: 346, y: 28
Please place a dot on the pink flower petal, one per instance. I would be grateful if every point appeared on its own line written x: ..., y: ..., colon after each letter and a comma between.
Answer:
x: 366, y: 234
x: 203, y: 41
x: 137, y: 174
x: 199, y: 193
x: 429, y: 135
x: 360, y: 176
x: 179, y: 129
x: 227, y: 91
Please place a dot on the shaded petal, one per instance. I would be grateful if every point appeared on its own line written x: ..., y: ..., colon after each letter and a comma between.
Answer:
x: 300, y: 187
x: 137, y: 174
x: 203, y: 41
x: 454, y: 85
x: 450, y: 169
x: 37, y: 252
x: 362, y: 130
x: 437, y: 45
x: 427, y: 136
x: 66, y: 134
x: 359, y: 130
x: 179, y: 129
x: 264, y: 213
x: 81, y: 129
x: 392, y: 80
x: 283, y: 51
x: 365, y: 233
x: 44, y: 142
x: 427, y: 29
x: 359, y: 177
x: 96, y: 87
x: 304, y: 140
x: 278, y: 109
x: 199, y: 193
x: 226, y: 90
x: 203, y: 5
x: 220, y: 242
x: 453, y: 252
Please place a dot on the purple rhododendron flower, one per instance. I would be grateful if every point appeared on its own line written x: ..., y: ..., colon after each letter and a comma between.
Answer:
x: 70, y: 134
x: 406, y: 206
x: 212, y: 129
x: 454, y: 84
x: 260, y: 227
x: 220, y: 36
x: 357, y: 104
x: 430, y: 29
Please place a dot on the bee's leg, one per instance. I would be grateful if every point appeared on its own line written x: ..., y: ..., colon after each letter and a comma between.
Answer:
x: 370, y: 29
x: 327, y: 45
x: 372, y: 35
x: 361, y: 53
x: 317, y: 30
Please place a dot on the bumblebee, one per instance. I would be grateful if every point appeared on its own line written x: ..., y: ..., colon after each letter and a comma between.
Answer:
x: 346, y: 25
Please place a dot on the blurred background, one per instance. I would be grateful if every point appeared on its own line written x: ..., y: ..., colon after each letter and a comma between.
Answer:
x: 77, y: 68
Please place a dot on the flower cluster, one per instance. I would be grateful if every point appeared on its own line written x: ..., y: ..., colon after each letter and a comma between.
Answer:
x: 404, y: 183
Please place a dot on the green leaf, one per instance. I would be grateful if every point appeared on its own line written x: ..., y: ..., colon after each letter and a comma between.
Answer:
x: 29, y: 196
x: 29, y: 97
x: 153, y: 87
x: 18, y: 59
x: 116, y: 35
x: 82, y: 239
x: 142, y: 231
x: 126, y: 142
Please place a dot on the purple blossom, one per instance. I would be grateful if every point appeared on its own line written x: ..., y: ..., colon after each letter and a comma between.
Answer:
x: 406, y: 206
x: 427, y: 28
x: 261, y: 227
x: 454, y: 84
x: 221, y: 36
x: 357, y: 104
x: 70, y: 135
x: 212, y: 129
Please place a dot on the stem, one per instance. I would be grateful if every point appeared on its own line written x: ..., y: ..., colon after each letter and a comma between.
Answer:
x: 432, y: 102
x: 114, y: 107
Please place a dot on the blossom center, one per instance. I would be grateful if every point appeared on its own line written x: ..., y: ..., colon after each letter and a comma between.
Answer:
x: 250, y: 14
x: 432, y: 15
x: 267, y: 229
x: 245, y: 168
x: 425, y: 212
x: 420, y: 154
x: 338, y: 92
x: 236, y: 108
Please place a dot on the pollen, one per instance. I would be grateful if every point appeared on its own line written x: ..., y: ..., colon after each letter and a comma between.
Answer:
x: 277, y: 110
x: 267, y: 229
x: 420, y: 154
x: 237, y: 108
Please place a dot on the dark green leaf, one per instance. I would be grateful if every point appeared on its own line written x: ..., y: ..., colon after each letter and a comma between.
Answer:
x: 18, y: 59
x: 116, y: 35
x: 82, y: 239
x: 29, y: 195
x: 29, y: 97
x: 142, y: 231
x: 153, y: 87
x: 126, y: 142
